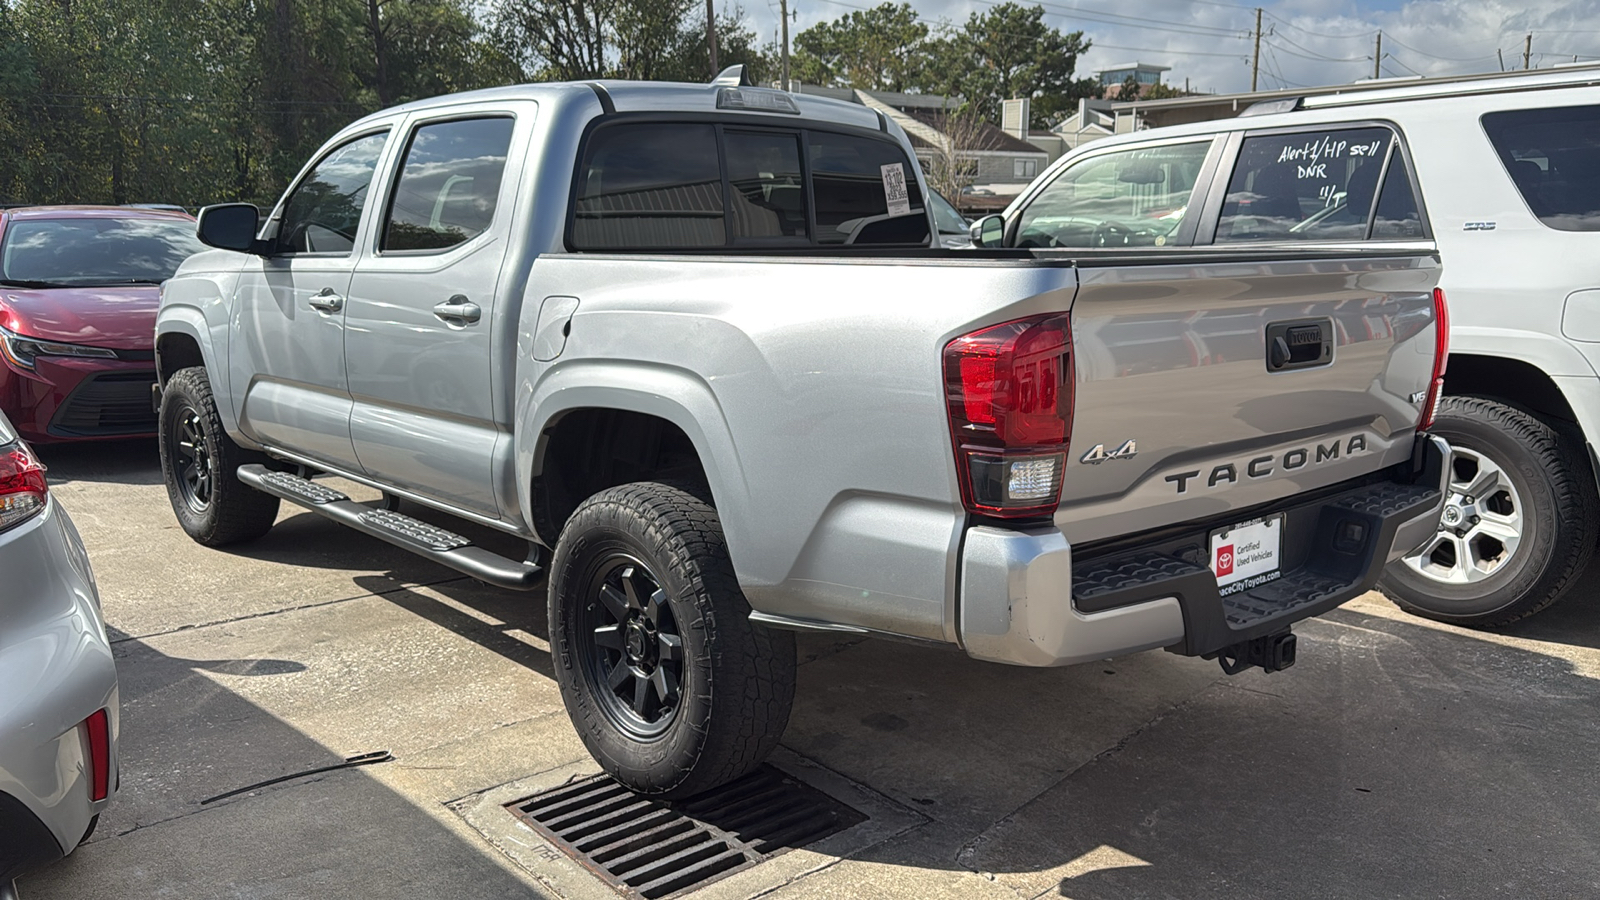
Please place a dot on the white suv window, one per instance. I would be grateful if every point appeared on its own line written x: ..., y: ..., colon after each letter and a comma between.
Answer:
x: 1130, y: 198
x: 1314, y: 186
x: 1553, y: 157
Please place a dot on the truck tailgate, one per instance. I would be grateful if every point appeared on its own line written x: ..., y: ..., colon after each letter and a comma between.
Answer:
x: 1207, y: 387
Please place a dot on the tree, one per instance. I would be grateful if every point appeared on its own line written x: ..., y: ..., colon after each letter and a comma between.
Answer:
x: 554, y: 40
x: 557, y: 40
x: 879, y: 49
x: 737, y: 44
x: 1162, y: 91
x: 950, y: 169
x: 1008, y: 51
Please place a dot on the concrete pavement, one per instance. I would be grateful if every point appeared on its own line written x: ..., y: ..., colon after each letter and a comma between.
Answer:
x: 1399, y: 758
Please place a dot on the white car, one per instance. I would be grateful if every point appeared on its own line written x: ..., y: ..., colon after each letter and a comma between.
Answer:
x: 58, y: 703
x: 1508, y: 171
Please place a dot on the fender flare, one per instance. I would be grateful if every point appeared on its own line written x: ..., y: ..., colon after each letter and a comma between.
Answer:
x: 675, y: 395
x: 190, y: 322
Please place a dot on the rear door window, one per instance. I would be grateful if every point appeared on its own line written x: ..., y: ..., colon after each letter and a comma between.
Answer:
x: 1313, y: 186
x: 1553, y: 157
x: 1129, y: 198
x: 449, y: 184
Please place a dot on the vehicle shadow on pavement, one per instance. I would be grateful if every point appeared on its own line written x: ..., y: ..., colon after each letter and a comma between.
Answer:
x: 102, y: 462
x: 509, y: 623
x: 1574, y: 620
x: 1395, y: 759
x: 185, y: 738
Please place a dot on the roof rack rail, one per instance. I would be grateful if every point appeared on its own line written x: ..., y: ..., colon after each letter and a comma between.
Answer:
x: 1268, y: 107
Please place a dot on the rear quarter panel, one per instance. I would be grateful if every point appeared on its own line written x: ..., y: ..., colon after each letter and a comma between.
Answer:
x: 814, y: 393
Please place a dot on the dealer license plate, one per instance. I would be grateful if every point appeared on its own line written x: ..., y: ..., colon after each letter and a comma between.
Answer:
x: 1248, y: 554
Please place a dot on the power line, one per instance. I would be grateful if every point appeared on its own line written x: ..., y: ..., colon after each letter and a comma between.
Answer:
x: 1282, y: 21
x: 1314, y: 54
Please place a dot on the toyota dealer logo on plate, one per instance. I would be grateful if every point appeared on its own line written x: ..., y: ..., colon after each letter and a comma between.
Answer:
x: 1225, y: 560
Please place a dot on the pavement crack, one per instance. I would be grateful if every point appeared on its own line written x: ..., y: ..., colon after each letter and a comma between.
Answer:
x: 399, y: 586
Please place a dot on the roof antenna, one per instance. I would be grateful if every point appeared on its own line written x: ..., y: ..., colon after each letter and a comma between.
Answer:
x: 733, y: 76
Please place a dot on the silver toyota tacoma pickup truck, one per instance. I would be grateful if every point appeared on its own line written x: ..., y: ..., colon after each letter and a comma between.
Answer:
x: 694, y: 341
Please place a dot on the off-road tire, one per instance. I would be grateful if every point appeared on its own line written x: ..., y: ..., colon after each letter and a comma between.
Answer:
x: 232, y: 511
x: 737, y: 678
x: 1547, y: 462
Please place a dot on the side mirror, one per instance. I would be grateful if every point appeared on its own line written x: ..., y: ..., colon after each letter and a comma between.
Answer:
x: 989, y: 231
x: 230, y: 226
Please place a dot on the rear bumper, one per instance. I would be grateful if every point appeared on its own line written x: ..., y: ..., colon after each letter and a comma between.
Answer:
x: 1026, y: 601
x: 57, y: 669
x: 73, y: 399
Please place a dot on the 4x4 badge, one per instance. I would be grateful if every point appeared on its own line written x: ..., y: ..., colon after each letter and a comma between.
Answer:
x: 1098, y: 454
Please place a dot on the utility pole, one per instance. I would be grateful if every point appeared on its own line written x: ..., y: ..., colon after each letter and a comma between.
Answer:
x: 1527, y: 51
x: 783, y: 6
x: 1377, y: 58
x: 1255, y: 60
x: 711, y: 36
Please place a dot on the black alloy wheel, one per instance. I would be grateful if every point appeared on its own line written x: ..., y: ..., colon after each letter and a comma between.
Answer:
x: 635, y: 657
x: 193, y: 460
x: 199, y: 462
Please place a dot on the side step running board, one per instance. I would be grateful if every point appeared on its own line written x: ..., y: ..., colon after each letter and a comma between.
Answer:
x: 443, y: 547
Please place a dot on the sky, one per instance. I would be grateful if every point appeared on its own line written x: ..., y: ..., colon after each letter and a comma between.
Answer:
x: 1304, y: 42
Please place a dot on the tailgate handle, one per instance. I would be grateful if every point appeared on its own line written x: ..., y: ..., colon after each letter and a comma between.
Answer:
x: 1299, y: 344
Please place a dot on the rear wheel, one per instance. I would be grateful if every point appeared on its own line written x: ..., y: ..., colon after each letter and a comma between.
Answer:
x: 1519, y: 521
x: 672, y: 688
x: 199, y: 462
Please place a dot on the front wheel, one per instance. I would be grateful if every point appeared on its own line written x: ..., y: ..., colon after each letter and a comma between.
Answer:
x: 199, y: 462
x: 671, y: 686
x: 1519, y: 521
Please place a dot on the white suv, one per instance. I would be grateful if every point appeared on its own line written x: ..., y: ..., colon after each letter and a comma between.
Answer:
x: 1504, y: 175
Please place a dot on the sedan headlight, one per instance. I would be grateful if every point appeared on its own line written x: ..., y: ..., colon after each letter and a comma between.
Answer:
x: 21, y: 351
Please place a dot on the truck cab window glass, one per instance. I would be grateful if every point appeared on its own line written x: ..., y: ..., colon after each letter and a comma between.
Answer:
x: 1306, y: 186
x: 324, y: 211
x: 1397, y: 217
x: 647, y: 186
x: 449, y: 184
x: 849, y: 185
x: 767, y: 200
x: 1132, y: 198
x: 1553, y: 157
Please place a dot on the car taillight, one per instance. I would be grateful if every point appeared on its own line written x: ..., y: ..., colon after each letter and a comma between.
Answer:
x: 1009, y: 392
x: 97, y: 734
x: 1441, y: 355
x: 22, y: 485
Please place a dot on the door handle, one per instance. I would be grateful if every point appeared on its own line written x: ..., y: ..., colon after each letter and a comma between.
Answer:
x: 458, y: 309
x: 327, y: 301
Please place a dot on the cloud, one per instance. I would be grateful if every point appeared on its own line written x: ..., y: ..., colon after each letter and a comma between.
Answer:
x: 1305, y: 42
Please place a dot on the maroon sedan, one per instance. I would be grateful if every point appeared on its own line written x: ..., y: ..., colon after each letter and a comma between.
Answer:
x: 79, y: 287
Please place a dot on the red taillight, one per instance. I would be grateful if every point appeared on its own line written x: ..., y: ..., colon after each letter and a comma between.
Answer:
x: 1009, y: 392
x: 22, y: 485
x: 97, y: 733
x: 1441, y: 355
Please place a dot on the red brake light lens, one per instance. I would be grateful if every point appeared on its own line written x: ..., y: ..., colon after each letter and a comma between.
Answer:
x: 22, y: 485
x: 97, y: 731
x: 1009, y: 393
x: 1441, y: 356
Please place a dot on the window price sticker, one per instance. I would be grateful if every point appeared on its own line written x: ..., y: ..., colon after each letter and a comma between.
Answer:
x: 894, y: 189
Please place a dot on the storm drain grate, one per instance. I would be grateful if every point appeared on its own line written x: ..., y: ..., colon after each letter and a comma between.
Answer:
x: 650, y: 848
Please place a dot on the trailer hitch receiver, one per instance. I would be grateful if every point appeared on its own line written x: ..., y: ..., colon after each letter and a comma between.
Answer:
x: 1273, y: 653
